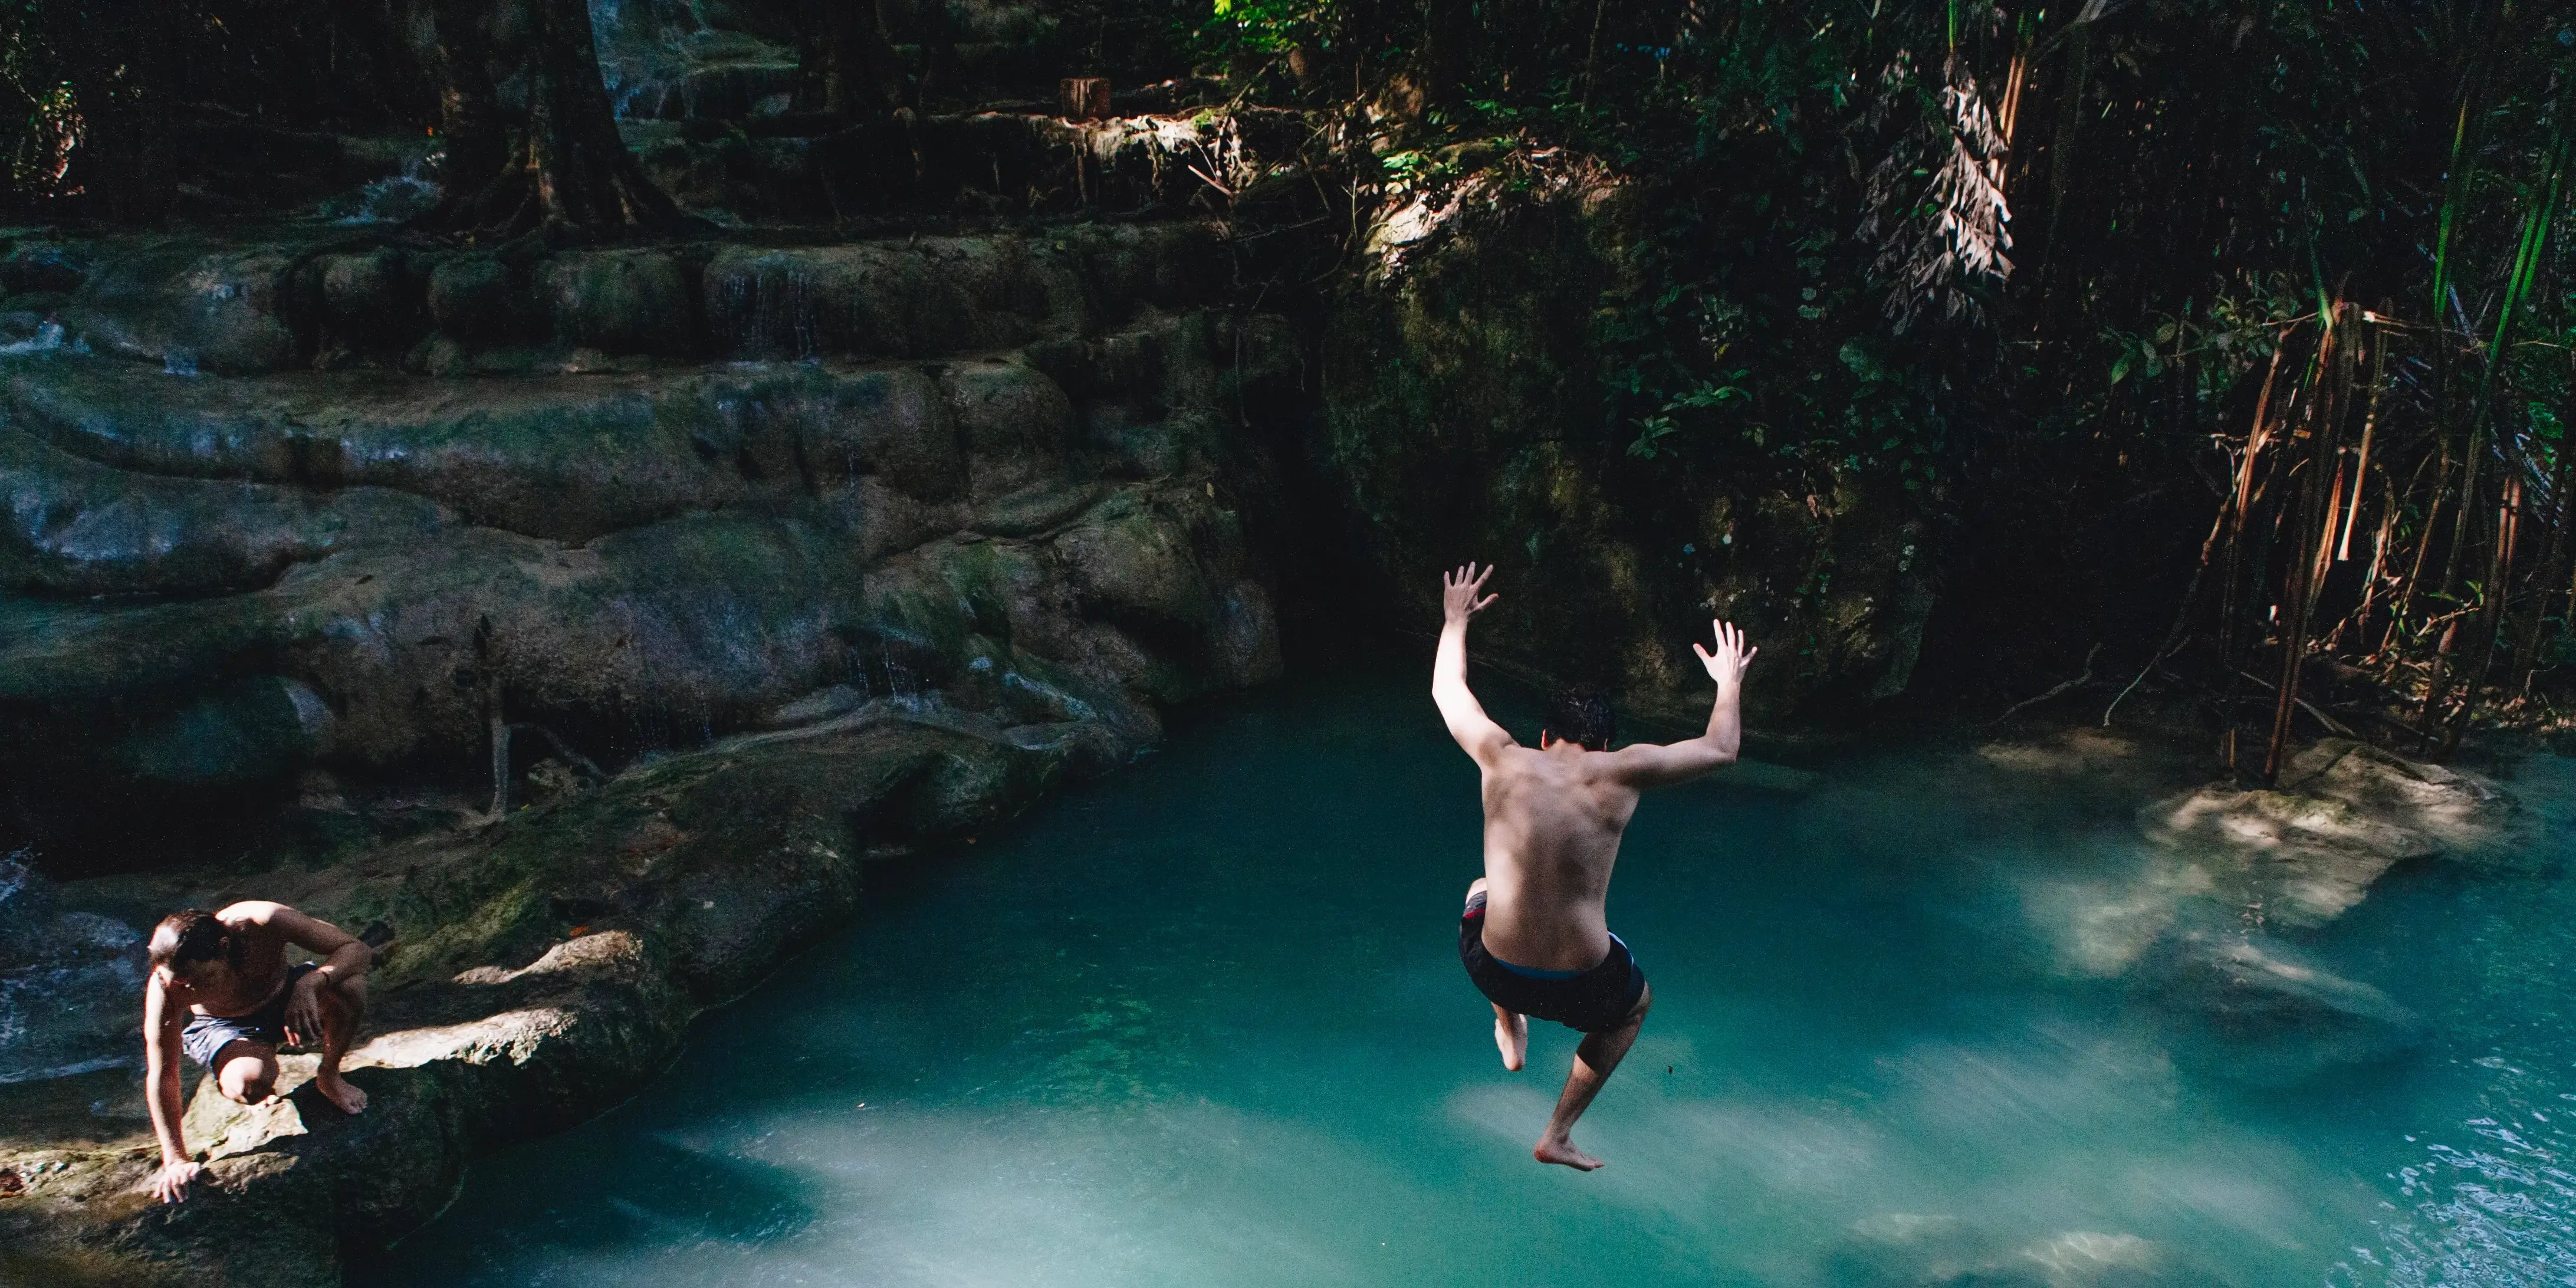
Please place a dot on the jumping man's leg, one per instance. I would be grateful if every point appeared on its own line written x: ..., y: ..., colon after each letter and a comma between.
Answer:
x: 1511, y: 1035
x: 245, y: 1072
x: 1511, y: 1029
x: 343, y: 1006
x: 1594, y: 1061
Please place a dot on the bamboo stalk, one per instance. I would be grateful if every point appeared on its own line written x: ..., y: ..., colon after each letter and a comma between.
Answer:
x: 2010, y: 115
x: 2235, y: 580
x: 2360, y: 619
x: 2325, y: 559
x: 2423, y: 548
x: 2526, y: 656
x: 2526, y: 649
x: 2526, y: 265
x: 2369, y: 427
x: 2491, y: 615
x: 2329, y: 378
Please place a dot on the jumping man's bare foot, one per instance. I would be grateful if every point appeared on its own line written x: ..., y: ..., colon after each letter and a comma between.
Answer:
x: 344, y: 1097
x: 1561, y: 1150
x: 1511, y: 1034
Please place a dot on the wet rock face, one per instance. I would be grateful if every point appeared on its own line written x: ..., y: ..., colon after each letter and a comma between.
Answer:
x: 977, y: 163
x: 198, y: 305
x: 2460, y: 812
x: 1464, y: 420
x: 860, y: 605
x: 218, y: 580
x: 188, y: 308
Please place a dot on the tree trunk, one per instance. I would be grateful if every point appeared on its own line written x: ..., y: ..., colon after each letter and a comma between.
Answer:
x: 452, y: 49
x: 560, y: 165
x: 845, y: 66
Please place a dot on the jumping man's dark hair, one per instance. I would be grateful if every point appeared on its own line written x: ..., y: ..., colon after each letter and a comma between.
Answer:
x: 1580, y: 714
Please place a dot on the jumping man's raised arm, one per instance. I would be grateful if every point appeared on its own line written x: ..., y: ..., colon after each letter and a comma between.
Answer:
x: 1652, y: 765
x: 1475, y: 731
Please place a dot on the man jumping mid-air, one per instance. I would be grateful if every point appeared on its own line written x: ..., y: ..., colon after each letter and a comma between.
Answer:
x: 1534, y: 936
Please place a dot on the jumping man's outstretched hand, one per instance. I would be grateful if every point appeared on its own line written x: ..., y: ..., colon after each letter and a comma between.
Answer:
x: 1475, y: 731
x: 1458, y: 600
x: 1730, y: 660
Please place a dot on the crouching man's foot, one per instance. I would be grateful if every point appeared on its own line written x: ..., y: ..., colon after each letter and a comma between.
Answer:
x: 1511, y: 1037
x: 338, y: 1090
x: 1559, y: 1149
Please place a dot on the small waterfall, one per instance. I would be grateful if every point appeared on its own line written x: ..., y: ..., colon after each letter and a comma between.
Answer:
x: 393, y: 199
x: 903, y: 688
x: 47, y: 338
x: 70, y: 982
x: 772, y: 311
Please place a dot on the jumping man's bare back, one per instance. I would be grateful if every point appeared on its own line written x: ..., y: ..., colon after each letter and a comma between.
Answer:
x: 1553, y: 819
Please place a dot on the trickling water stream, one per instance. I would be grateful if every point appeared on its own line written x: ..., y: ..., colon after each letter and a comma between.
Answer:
x: 1203, y: 1023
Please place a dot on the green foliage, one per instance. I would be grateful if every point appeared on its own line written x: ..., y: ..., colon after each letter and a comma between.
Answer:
x: 104, y: 104
x: 2064, y: 252
x: 1269, y: 25
x: 2187, y: 177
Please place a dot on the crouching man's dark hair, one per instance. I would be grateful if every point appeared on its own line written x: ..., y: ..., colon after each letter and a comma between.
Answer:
x: 1581, y: 714
x: 195, y: 935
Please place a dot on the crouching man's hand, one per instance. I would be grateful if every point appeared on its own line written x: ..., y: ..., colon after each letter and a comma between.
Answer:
x: 170, y: 1184
x: 304, y: 1011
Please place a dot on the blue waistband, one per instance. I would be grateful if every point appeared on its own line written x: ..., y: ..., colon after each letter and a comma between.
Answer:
x: 1533, y: 972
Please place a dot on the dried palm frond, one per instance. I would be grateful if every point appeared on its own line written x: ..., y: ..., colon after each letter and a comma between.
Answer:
x: 1942, y: 240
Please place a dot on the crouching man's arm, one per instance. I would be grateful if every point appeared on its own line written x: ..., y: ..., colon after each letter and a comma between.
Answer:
x: 162, y: 1022
x: 1652, y: 765
x: 345, y: 961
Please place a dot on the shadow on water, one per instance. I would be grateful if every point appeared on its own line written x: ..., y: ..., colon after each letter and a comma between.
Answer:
x: 1203, y: 1023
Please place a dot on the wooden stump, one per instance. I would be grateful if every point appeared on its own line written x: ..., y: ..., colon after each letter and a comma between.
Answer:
x: 1084, y: 98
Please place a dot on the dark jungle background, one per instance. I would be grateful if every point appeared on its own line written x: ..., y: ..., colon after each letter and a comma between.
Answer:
x: 2223, y: 347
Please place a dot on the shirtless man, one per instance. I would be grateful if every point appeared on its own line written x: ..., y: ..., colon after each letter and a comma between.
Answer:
x: 1535, y: 937
x: 220, y: 989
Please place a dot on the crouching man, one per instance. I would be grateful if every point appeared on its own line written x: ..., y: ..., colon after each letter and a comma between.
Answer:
x: 221, y: 990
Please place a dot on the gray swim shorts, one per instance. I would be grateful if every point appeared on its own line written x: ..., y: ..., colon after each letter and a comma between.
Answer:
x: 207, y: 1035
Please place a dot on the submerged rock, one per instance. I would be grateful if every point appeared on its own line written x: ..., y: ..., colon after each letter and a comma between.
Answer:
x: 2460, y: 812
x: 1917, y: 1250
x: 1906, y: 1249
x: 2088, y: 1259
x: 2303, y: 860
x: 2249, y: 1011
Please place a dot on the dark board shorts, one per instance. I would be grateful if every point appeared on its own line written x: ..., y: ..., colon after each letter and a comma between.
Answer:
x: 1590, y: 1001
x: 207, y: 1035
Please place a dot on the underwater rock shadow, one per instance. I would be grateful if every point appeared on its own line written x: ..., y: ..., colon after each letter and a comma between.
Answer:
x: 650, y: 1191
